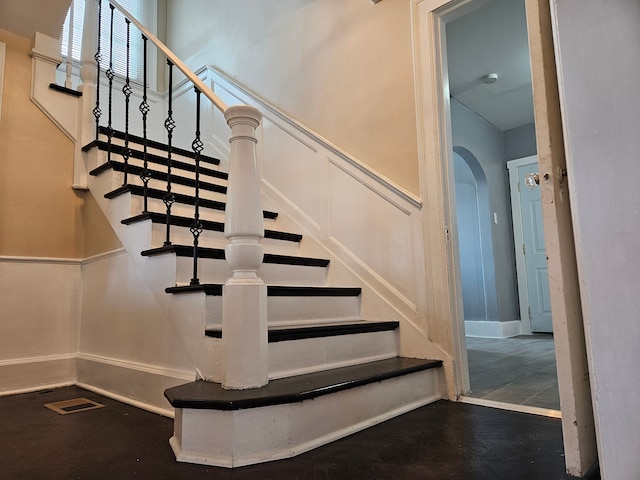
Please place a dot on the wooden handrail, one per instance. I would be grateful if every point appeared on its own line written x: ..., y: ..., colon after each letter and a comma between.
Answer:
x: 199, y: 84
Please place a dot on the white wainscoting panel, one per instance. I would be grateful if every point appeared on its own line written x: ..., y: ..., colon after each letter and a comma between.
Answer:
x: 373, y: 229
x: 40, y: 321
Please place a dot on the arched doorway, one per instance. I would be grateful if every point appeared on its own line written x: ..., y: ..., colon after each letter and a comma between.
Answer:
x: 477, y: 266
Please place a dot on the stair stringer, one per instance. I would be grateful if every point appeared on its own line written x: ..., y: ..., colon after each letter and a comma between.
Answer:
x: 186, y: 313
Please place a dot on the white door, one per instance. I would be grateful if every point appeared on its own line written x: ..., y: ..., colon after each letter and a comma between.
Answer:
x: 531, y: 258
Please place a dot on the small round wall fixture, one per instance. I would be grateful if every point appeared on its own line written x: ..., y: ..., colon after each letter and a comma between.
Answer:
x: 490, y: 78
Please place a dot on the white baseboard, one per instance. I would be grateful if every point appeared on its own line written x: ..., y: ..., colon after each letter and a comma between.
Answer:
x: 133, y: 383
x: 36, y: 373
x: 492, y: 329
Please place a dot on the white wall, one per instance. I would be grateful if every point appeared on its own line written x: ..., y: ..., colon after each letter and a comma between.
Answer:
x: 342, y: 68
x: 598, y: 54
x: 39, y: 322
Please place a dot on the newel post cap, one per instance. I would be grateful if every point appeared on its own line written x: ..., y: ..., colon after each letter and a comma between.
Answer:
x: 243, y: 114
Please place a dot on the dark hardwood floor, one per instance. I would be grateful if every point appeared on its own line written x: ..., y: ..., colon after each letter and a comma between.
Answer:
x: 444, y: 440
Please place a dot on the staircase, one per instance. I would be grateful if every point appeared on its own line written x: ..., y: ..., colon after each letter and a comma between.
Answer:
x: 331, y: 373
x: 283, y: 360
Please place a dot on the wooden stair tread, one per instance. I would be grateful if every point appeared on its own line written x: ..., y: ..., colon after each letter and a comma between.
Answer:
x: 153, y: 158
x: 215, y: 289
x: 159, y: 145
x: 65, y: 90
x: 218, y: 253
x: 298, y: 332
x: 138, y: 190
x: 211, y: 225
x: 209, y: 395
x: 157, y: 175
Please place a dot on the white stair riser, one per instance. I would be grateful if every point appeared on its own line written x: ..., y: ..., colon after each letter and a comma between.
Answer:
x: 291, y: 311
x: 218, y: 271
x: 298, y: 310
x: 249, y: 436
x: 297, y: 357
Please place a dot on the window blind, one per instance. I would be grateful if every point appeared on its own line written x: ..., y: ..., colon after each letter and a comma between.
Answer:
x: 137, y: 9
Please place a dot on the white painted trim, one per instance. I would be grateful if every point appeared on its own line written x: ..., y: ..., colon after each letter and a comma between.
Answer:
x: 138, y: 384
x: 62, y: 261
x: 39, y: 388
x: 435, y: 149
x: 545, y: 412
x: 45, y: 358
x: 492, y: 329
x: 129, y: 401
x: 104, y: 255
x: 139, y: 367
x: 3, y: 50
x: 41, y: 260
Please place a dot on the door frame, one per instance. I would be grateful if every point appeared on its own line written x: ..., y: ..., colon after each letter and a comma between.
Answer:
x: 436, y: 184
x: 518, y: 239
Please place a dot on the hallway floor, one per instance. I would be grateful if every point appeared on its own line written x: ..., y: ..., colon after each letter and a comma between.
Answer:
x: 444, y: 440
x: 519, y: 370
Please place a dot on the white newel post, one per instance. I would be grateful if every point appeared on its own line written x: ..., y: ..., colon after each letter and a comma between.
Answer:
x: 244, y: 301
x: 88, y: 78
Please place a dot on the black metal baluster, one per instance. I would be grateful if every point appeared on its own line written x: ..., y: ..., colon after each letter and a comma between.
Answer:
x: 145, y: 175
x: 169, y: 124
x: 110, y: 74
x: 126, y: 153
x: 196, y: 226
x: 98, y: 57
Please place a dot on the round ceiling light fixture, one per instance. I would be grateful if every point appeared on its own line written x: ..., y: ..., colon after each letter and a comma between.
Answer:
x: 490, y: 78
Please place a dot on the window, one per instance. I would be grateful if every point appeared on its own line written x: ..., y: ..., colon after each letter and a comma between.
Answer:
x: 141, y: 10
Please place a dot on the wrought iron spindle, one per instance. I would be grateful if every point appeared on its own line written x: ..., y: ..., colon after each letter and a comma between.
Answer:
x: 126, y: 89
x: 98, y: 57
x: 169, y: 124
x: 196, y: 226
x: 110, y: 74
x: 145, y: 175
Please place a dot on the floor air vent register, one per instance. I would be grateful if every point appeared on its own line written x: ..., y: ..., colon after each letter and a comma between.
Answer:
x: 74, y: 405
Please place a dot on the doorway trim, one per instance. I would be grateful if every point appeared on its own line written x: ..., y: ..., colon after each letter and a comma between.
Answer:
x: 436, y: 184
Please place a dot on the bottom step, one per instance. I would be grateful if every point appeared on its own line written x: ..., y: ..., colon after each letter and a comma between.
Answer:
x: 289, y: 416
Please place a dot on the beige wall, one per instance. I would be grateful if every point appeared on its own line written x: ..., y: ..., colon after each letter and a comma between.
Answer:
x: 99, y: 237
x: 343, y: 68
x: 40, y: 215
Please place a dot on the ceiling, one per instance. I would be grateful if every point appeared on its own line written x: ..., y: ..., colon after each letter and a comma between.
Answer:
x: 492, y: 39
x: 25, y: 17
